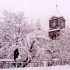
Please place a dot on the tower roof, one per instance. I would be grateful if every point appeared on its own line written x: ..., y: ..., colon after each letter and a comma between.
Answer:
x: 57, y: 12
x: 54, y: 18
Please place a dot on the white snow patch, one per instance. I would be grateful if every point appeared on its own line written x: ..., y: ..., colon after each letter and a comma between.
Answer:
x: 66, y: 67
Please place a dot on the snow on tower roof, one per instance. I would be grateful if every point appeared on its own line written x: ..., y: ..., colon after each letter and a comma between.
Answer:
x: 55, y: 29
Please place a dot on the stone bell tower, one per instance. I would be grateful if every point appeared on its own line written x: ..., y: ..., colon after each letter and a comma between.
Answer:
x: 56, y: 24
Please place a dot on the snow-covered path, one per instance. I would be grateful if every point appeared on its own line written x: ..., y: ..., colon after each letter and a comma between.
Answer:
x: 66, y: 67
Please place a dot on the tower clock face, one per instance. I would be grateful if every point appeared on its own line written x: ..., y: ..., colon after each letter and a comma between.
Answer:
x: 53, y: 24
x: 62, y: 24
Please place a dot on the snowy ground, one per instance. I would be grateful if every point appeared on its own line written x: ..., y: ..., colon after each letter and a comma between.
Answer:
x: 66, y: 67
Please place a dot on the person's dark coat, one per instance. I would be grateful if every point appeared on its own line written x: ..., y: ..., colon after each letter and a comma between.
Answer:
x: 16, y: 53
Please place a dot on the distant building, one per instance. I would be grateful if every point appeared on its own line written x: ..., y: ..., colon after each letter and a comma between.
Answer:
x: 55, y: 25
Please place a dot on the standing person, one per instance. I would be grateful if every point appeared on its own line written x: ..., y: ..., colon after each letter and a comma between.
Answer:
x: 16, y: 53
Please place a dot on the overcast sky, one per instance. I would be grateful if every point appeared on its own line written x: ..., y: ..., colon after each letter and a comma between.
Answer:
x: 42, y: 9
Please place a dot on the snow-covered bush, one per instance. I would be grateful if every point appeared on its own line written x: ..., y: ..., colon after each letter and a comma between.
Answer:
x: 15, y: 27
